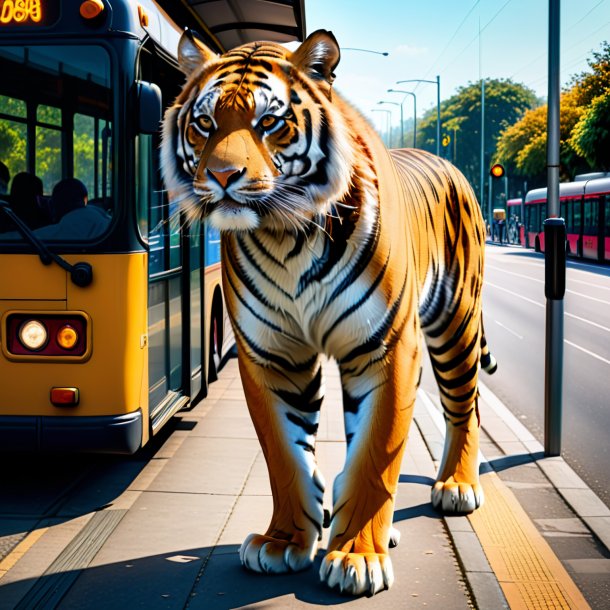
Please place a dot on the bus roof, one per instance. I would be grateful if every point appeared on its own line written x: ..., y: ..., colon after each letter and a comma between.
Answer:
x: 230, y: 24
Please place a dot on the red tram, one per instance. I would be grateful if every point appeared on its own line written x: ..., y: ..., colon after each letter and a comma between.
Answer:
x: 585, y: 206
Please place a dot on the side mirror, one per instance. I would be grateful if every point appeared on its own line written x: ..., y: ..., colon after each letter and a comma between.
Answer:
x: 149, y: 107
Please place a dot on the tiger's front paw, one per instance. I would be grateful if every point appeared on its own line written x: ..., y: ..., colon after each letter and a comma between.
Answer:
x: 357, y: 573
x: 452, y: 497
x: 274, y: 556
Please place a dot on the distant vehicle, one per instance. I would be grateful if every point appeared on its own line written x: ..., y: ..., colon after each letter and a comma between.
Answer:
x: 103, y: 338
x: 585, y: 206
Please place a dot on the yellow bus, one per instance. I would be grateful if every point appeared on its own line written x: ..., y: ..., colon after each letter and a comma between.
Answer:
x: 111, y: 308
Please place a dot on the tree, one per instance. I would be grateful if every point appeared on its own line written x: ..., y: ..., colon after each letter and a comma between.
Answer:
x: 522, y: 146
x: 591, y: 135
x: 505, y: 102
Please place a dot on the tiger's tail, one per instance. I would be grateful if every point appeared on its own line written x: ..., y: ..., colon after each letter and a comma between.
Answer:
x: 488, y: 363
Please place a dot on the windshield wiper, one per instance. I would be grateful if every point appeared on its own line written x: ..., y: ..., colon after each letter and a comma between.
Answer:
x: 81, y: 273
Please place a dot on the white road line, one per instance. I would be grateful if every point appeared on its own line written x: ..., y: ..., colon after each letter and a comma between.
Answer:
x: 533, y: 279
x: 569, y: 315
x: 515, y: 294
x: 510, y: 330
x: 586, y: 351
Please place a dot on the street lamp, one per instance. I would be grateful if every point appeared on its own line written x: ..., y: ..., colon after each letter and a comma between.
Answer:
x: 414, y: 111
x: 388, y: 119
x: 384, y: 53
x: 437, y: 82
x: 402, y: 139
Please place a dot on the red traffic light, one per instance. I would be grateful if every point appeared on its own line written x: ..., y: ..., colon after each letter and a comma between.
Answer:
x: 497, y: 170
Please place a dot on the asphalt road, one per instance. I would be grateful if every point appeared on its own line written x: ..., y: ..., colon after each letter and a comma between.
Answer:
x: 514, y: 315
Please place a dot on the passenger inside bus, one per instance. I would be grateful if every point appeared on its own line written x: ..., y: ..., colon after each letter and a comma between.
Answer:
x: 72, y: 214
x: 26, y: 189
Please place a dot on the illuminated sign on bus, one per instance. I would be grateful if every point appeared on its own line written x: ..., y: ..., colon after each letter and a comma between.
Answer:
x: 27, y: 12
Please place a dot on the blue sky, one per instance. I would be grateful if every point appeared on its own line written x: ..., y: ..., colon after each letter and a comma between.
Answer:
x: 442, y: 37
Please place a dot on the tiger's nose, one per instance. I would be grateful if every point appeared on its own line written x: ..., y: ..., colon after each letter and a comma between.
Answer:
x: 226, y: 177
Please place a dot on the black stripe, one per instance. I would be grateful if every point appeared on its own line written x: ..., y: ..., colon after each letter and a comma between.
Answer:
x: 261, y: 248
x: 376, y: 339
x: 359, y: 302
x: 456, y: 382
x: 302, y: 423
x: 443, y: 367
x: 246, y: 252
x: 304, y: 401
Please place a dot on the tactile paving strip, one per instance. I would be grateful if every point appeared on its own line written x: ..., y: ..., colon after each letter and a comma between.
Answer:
x: 528, y: 571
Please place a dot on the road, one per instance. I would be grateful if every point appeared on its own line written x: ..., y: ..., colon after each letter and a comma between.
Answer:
x: 514, y: 314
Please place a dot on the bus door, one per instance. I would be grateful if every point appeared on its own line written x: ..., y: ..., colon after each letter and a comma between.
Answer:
x: 165, y: 286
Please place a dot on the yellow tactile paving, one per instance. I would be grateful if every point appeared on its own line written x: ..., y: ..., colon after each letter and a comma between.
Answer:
x: 20, y: 550
x: 527, y: 569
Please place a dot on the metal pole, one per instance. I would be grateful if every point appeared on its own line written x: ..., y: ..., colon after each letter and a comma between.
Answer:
x: 482, y: 185
x: 438, y: 115
x: 414, y: 121
x: 554, y: 256
x: 490, y: 214
x: 402, y: 129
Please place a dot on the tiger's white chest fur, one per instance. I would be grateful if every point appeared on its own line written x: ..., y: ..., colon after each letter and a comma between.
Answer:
x: 284, y: 309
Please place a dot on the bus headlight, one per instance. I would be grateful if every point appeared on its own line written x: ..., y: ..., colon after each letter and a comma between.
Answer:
x: 67, y: 337
x: 33, y: 335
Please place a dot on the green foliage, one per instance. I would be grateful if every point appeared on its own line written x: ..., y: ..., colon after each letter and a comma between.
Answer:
x: 591, y: 135
x: 505, y: 103
x: 584, y: 126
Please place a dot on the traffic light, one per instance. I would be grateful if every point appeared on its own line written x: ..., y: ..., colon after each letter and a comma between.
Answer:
x: 497, y: 170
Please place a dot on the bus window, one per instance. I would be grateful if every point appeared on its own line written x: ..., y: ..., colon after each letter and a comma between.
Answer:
x: 591, y: 213
x: 13, y: 131
x: 55, y: 123
x: 48, y: 146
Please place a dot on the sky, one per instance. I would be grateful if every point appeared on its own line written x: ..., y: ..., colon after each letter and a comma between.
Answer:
x: 459, y: 40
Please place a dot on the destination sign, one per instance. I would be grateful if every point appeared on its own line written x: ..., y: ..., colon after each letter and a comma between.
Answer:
x: 33, y: 13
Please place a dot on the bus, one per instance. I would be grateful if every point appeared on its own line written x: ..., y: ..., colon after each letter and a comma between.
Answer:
x: 111, y: 309
x: 585, y: 206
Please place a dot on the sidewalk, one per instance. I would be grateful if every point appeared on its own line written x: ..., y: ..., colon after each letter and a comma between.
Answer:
x: 171, y: 539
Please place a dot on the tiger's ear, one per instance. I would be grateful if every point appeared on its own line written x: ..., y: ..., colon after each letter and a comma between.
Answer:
x: 192, y: 53
x: 318, y: 56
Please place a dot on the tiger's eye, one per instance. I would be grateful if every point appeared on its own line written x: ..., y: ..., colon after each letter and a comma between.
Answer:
x: 268, y: 122
x: 205, y: 122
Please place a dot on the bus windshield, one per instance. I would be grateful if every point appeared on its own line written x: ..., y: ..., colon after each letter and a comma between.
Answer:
x: 56, y: 133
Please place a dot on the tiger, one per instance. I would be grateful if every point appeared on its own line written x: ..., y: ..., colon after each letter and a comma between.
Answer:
x: 332, y: 247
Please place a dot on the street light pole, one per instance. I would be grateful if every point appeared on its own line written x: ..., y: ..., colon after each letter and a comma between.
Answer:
x: 436, y: 82
x: 414, y: 111
x: 402, y: 134
x: 387, y: 123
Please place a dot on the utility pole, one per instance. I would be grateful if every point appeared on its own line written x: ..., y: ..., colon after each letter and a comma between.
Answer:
x: 554, y: 255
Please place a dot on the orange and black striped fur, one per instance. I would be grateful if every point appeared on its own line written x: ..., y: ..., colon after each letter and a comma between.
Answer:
x: 331, y: 245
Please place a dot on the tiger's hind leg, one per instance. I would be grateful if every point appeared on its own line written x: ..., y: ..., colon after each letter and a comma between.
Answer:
x: 284, y: 406
x: 454, y: 349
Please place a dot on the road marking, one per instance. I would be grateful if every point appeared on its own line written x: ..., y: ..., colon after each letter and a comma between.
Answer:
x: 569, y: 315
x: 510, y: 330
x: 516, y: 294
x: 586, y: 351
x: 533, y: 279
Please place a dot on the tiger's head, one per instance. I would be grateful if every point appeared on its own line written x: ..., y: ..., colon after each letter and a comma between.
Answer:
x: 254, y: 139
